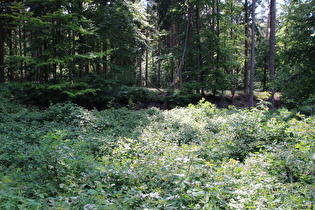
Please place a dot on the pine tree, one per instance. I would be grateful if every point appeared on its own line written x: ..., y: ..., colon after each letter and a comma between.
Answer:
x: 252, y: 57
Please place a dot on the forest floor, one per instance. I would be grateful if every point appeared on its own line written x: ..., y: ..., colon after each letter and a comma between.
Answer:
x: 225, y: 99
x: 239, y: 100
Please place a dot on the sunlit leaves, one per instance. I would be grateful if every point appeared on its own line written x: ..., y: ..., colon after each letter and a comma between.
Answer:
x: 296, y: 77
x: 198, y: 157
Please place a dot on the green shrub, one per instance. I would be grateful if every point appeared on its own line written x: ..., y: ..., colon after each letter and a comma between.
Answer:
x: 307, y: 107
x: 199, y: 157
x: 133, y: 97
x: 7, y: 104
x: 182, y: 98
x: 90, y: 92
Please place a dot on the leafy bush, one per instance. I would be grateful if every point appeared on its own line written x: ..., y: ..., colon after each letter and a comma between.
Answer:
x: 199, y: 157
x: 182, y: 98
x: 7, y: 104
x: 132, y: 97
x: 90, y: 92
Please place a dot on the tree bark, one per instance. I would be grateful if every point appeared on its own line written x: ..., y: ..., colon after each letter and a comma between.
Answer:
x: 172, y: 45
x: 199, y: 55
x: 140, y: 70
x: 252, y: 58
x: 159, y: 63
x: 147, y: 66
x: 3, y: 33
x: 246, y: 47
x: 12, y: 49
x: 272, y: 50
x: 21, y: 52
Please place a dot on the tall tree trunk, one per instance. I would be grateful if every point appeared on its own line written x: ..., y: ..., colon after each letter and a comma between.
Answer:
x: 104, y: 58
x: 147, y: 66
x: 172, y: 45
x: 21, y: 53
x: 252, y: 58
x: 199, y: 56
x: 3, y: 33
x: 217, y: 10
x: 246, y: 47
x: 81, y: 51
x: 159, y: 63
x: 24, y: 52
x: 140, y: 70
x: 272, y: 50
x: 12, y: 49
x: 178, y: 77
x: 87, y: 67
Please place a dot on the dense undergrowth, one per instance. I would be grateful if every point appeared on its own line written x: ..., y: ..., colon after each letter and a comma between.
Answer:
x: 198, y: 157
x: 90, y: 92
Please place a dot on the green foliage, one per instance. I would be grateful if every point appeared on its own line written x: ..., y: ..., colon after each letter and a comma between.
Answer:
x: 7, y: 105
x: 63, y: 39
x: 184, y: 96
x: 133, y: 97
x: 90, y: 91
x: 189, y: 43
x: 217, y: 80
x: 296, y: 76
x: 198, y: 157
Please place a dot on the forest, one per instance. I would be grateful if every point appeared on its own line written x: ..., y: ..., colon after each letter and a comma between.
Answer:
x: 157, y: 104
x: 74, y: 50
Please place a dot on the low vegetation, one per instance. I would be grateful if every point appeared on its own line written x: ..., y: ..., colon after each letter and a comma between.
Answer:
x: 198, y: 157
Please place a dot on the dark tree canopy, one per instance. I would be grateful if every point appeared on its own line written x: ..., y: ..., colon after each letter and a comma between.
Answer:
x: 196, y: 46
